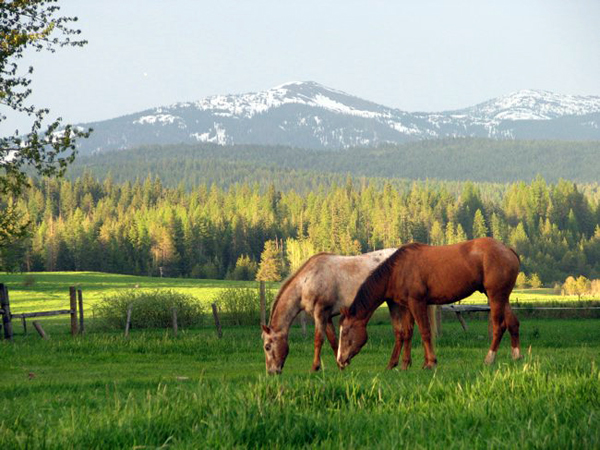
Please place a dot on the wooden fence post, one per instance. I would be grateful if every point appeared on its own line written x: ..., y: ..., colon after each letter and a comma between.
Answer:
x: 73, y: 299
x: 80, y: 301
x: 39, y: 329
x: 263, y: 304
x: 6, y: 316
x: 24, y: 321
x: 462, y: 321
x: 174, y: 321
x: 128, y: 321
x: 217, y: 321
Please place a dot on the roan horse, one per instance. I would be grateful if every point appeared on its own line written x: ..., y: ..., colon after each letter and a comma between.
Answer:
x: 323, y: 285
x: 417, y: 275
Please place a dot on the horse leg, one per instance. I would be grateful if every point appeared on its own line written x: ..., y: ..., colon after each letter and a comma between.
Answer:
x: 418, y: 308
x: 320, y: 329
x: 331, y: 337
x: 395, y: 316
x: 512, y: 323
x: 497, y: 305
x: 408, y: 326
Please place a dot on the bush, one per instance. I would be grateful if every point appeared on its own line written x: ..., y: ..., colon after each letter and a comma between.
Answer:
x: 535, y: 281
x: 242, y: 305
x: 150, y: 309
x: 29, y: 281
x: 245, y: 269
x: 522, y: 281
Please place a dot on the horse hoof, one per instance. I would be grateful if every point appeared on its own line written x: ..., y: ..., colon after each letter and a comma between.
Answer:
x: 391, y: 366
x: 405, y: 365
x: 490, y: 358
x: 315, y: 369
x: 429, y: 366
x: 516, y: 354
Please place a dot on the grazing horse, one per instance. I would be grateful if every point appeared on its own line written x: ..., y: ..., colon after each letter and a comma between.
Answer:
x: 323, y: 285
x: 417, y: 275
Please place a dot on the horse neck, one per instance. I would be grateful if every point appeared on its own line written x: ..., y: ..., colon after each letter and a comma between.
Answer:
x: 371, y: 295
x: 367, y: 313
x: 287, y: 308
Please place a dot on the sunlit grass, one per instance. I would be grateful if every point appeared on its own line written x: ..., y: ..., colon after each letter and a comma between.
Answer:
x: 196, y: 391
x: 50, y: 290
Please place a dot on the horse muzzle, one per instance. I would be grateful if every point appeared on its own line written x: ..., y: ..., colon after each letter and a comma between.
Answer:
x: 343, y: 364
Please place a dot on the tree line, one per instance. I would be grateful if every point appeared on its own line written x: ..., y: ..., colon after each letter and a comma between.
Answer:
x: 465, y: 159
x: 145, y: 228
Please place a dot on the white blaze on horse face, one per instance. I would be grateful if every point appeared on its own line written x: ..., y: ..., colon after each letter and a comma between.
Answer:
x: 339, y: 343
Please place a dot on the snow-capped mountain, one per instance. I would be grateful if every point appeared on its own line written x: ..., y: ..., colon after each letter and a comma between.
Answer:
x: 307, y: 114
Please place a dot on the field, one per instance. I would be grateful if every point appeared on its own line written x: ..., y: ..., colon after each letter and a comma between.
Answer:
x: 196, y: 391
x: 49, y: 290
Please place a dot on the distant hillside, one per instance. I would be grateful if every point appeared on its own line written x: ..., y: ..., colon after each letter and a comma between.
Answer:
x: 309, y: 115
x: 484, y: 160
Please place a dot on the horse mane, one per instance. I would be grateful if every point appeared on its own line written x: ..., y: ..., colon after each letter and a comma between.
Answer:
x: 289, y: 280
x: 368, y: 292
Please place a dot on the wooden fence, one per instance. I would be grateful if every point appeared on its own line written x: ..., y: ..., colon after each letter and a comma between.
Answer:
x: 75, y: 300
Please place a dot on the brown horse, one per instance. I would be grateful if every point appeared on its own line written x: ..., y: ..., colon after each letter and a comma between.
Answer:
x: 417, y: 275
x: 320, y: 287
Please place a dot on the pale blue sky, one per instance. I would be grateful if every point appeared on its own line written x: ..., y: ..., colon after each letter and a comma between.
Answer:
x: 419, y: 55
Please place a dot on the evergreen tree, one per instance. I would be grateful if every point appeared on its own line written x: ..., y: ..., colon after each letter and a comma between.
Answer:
x: 270, y: 263
x: 479, y: 227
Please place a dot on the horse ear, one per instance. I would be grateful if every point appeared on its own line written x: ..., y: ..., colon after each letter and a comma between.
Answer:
x: 266, y: 329
x: 344, y: 311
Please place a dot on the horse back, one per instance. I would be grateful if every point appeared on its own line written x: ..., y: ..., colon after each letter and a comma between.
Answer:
x: 448, y: 273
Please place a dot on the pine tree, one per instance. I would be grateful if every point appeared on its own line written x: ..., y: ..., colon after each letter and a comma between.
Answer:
x: 479, y: 227
x: 436, y: 235
x: 270, y: 263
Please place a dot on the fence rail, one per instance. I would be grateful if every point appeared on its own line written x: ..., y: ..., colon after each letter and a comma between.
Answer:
x: 7, y: 316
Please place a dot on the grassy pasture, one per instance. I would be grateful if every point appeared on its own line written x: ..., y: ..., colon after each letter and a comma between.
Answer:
x: 195, y: 391
x: 50, y: 289
x: 102, y: 391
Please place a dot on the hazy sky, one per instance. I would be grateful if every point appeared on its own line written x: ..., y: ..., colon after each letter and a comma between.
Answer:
x: 418, y: 55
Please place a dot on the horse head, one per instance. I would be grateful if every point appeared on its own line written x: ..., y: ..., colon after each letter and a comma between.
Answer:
x: 353, y: 336
x: 276, y: 349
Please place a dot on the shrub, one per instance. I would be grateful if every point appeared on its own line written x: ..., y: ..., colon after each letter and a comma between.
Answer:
x: 522, y: 281
x: 242, y: 305
x: 29, y: 281
x: 150, y: 309
x: 535, y: 281
x: 245, y: 269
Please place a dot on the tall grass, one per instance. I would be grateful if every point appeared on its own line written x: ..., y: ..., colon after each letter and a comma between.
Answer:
x: 102, y: 391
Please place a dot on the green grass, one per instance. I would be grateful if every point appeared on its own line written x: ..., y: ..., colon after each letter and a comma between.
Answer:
x: 196, y: 391
x: 50, y: 290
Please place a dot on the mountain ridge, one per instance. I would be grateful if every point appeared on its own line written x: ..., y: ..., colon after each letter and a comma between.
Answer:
x: 308, y: 114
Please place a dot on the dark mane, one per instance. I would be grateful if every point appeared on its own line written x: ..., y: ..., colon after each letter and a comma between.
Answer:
x: 289, y: 280
x: 371, y: 289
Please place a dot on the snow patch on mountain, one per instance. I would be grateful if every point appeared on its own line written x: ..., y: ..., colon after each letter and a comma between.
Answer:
x: 530, y: 104
x: 307, y: 114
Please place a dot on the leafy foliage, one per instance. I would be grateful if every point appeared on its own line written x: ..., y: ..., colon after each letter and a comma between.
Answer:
x: 137, y: 228
x: 150, y: 309
x: 241, y: 306
x: 33, y: 24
